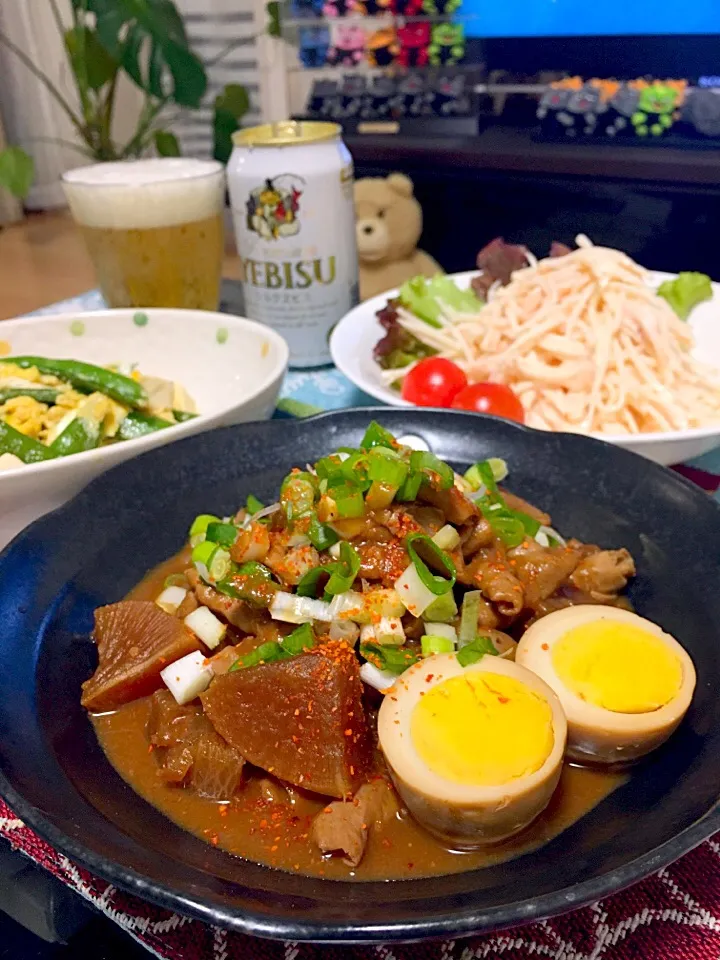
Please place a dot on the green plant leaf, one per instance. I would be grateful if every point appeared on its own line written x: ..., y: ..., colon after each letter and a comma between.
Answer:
x: 17, y: 170
x: 149, y: 38
x: 230, y: 107
x: 89, y: 59
x: 274, y: 27
x: 166, y: 143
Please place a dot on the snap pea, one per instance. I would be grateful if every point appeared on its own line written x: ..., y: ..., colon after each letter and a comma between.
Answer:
x: 88, y: 377
x: 79, y: 435
x: 42, y: 395
x: 25, y: 448
x: 138, y: 424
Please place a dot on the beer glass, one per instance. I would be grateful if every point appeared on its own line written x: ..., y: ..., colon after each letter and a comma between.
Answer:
x: 153, y: 228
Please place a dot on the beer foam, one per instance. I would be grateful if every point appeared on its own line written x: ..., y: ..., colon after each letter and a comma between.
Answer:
x: 142, y: 194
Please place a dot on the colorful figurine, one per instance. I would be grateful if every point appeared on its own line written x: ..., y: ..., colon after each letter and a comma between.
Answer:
x: 372, y: 8
x: 339, y: 8
x: 448, y: 44
x: 313, y: 45
x: 347, y: 44
x: 406, y: 8
x: 382, y: 47
x: 306, y: 9
x: 414, y: 41
x: 440, y: 8
x: 656, y: 110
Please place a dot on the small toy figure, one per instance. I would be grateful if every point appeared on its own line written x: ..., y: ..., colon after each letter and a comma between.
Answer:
x: 412, y: 97
x: 339, y: 8
x: 656, y: 110
x: 440, y: 8
x: 382, y: 47
x: 414, y: 41
x: 314, y: 43
x: 448, y: 44
x: 376, y: 102
x: 352, y: 95
x: 702, y: 110
x: 451, y: 97
x: 406, y: 8
x: 623, y: 106
x: 372, y: 8
x: 323, y: 99
x: 347, y: 44
x: 306, y: 9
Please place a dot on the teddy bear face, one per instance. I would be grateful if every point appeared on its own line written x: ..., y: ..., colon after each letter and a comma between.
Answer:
x: 388, y: 218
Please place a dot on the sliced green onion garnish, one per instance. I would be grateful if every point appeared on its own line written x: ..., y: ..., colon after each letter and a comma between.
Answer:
x: 211, y: 561
x: 441, y: 630
x: 509, y: 529
x: 299, y: 640
x: 309, y: 585
x: 348, y: 501
x: 435, y: 582
x: 439, y: 473
x: 330, y: 469
x: 489, y: 472
x: 410, y: 489
x: 223, y: 533
x: 469, y: 617
x: 355, y: 470
x: 441, y: 610
x: 201, y: 523
x: 175, y: 580
x: 297, y: 494
x: 476, y: 650
x: 377, y: 436
x: 393, y: 659
x: 253, y: 505
x: 447, y: 537
x: 432, y: 643
x: 265, y: 653
x: 529, y: 523
x: 254, y: 569
x: 344, y: 570
x: 386, y: 466
x: 255, y: 589
x: 321, y: 536
x: 380, y: 495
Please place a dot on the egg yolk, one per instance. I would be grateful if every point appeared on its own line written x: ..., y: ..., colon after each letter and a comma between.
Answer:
x: 482, y: 729
x: 617, y: 666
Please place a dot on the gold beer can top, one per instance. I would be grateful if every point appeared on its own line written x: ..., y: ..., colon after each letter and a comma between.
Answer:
x: 287, y: 133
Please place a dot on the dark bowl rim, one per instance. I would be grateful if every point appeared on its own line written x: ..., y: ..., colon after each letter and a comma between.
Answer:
x: 463, y: 922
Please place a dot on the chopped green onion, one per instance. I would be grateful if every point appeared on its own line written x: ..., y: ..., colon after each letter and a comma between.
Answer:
x: 432, y: 467
x: 223, y: 533
x: 509, y: 529
x: 309, y: 582
x: 297, y: 495
x: 330, y: 469
x: 410, y: 489
x: 433, y: 643
x: 175, y: 580
x: 447, y: 537
x: 348, y: 501
x: 211, y: 561
x: 201, y: 523
x: 299, y: 640
x: 266, y: 653
x: 254, y: 569
x: 377, y: 436
x: 344, y: 570
x: 355, y: 471
x: 442, y: 609
x: 493, y: 470
x: 290, y: 608
x: 415, y: 595
x: 389, y: 632
x: 255, y: 589
x: 393, y: 659
x: 321, y: 536
x: 529, y: 523
x: 253, y: 505
x: 386, y: 466
x: 380, y: 495
x: 441, y: 630
x: 476, y: 650
x: 469, y: 617
x: 435, y: 582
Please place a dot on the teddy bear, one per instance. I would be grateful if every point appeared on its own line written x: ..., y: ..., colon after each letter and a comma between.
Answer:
x: 388, y: 227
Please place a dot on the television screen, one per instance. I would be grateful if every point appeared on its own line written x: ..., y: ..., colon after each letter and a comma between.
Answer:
x: 575, y: 18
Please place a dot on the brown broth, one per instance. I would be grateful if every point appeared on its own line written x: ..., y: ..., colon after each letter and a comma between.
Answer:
x: 275, y: 832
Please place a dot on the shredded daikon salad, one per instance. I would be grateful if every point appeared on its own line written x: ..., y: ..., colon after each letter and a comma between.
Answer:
x: 585, y: 343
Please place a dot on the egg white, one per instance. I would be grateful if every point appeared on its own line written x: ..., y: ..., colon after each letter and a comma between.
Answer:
x: 596, y: 734
x: 464, y: 815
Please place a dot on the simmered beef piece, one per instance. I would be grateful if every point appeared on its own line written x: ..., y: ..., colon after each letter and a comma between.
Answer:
x: 135, y: 641
x: 381, y: 561
x: 499, y: 584
x: 604, y: 574
x: 541, y: 570
x: 190, y: 751
x: 517, y: 503
x: 238, y: 613
x: 300, y: 719
x: 453, y: 503
x: 344, y: 826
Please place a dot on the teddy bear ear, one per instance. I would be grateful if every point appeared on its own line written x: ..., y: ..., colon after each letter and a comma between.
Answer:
x: 400, y: 184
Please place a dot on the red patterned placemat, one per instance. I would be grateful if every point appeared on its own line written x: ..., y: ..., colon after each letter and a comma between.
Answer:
x: 673, y: 915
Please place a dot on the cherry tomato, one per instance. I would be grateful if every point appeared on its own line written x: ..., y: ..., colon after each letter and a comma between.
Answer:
x: 492, y: 398
x: 434, y: 382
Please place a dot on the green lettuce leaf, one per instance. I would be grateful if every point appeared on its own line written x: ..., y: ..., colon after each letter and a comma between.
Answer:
x: 423, y: 297
x: 686, y: 292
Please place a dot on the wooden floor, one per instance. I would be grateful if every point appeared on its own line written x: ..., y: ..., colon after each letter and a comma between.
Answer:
x: 43, y: 259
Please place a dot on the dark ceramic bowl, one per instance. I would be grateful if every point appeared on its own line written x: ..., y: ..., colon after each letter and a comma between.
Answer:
x: 94, y: 549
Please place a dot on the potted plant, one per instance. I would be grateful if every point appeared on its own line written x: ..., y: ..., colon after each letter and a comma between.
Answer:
x: 146, y: 40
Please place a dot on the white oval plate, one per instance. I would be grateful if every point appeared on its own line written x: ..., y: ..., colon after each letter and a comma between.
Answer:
x: 357, y: 333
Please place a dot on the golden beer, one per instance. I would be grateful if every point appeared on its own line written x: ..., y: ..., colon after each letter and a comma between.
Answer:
x: 154, y: 230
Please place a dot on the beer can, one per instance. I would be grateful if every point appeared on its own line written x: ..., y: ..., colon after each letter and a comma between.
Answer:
x: 291, y: 192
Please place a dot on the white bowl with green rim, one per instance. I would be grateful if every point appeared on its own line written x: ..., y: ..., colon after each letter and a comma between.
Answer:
x: 233, y: 369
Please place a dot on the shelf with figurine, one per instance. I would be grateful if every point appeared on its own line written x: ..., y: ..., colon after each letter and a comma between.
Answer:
x: 637, y: 111
x: 441, y: 100
x: 349, y: 44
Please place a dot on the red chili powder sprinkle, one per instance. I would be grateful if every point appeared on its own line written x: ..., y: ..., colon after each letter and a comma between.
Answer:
x: 544, y: 646
x: 348, y: 732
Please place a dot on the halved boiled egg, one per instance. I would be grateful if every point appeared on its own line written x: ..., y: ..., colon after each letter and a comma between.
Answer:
x: 475, y: 751
x: 624, y: 683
